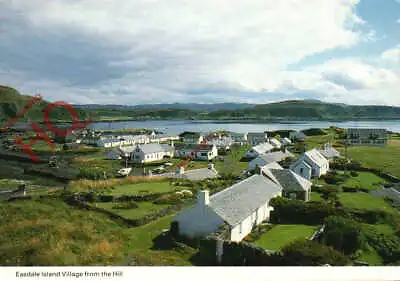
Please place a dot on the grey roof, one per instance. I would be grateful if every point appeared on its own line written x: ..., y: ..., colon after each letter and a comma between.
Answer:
x: 239, y: 201
x: 290, y: 181
x: 262, y: 148
x: 155, y: 148
x: 275, y: 156
x: 297, y: 134
x: 366, y: 133
x: 199, y: 174
x: 193, y: 147
x: 329, y: 152
x: 275, y: 142
x: 316, y: 157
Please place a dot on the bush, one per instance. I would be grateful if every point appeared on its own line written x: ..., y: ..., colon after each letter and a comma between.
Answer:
x: 172, y: 199
x: 354, y: 174
x: 334, y: 178
x: 126, y: 205
x: 314, y: 132
x: 344, y: 235
x: 294, y: 211
x: 91, y: 173
x: 308, y: 253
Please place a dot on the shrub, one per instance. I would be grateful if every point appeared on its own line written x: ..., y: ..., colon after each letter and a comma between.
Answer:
x: 345, y: 235
x: 126, y: 205
x: 172, y: 199
x: 354, y: 174
x: 294, y: 211
x: 308, y: 253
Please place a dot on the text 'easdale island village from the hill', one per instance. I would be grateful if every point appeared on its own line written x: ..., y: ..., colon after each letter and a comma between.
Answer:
x: 180, y: 134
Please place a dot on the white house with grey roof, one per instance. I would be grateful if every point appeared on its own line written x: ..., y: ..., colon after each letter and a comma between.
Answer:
x: 329, y: 152
x: 241, y: 206
x: 268, y: 158
x: 151, y: 152
x: 311, y: 164
x: 256, y: 138
x: 293, y: 186
x: 259, y: 149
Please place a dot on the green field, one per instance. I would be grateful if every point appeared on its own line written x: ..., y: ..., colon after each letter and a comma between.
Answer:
x: 371, y: 257
x: 282, y: 235
x: 144, y: 209
x: 49, y: 232
x: 383, y: 158
x: 361, y: 200
x: 142, y: 188
x: 365, y: 180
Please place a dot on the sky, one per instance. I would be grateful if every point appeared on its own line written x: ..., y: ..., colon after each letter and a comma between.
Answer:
x: 205, y: 51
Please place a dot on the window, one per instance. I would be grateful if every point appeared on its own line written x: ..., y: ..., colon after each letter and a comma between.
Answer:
x: 301, y: 171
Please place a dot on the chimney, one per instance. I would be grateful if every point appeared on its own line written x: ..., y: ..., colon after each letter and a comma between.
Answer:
x: 203, y: 197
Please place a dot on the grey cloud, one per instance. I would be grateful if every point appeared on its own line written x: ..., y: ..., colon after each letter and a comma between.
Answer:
x: 342, y: 79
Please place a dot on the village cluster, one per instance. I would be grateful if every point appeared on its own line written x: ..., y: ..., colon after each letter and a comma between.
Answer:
x: 246, y: 203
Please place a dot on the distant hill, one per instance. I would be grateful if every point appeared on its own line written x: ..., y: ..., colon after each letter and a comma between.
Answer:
x: 310, y: 109
x: 188, y: 106
x: 11, y: 102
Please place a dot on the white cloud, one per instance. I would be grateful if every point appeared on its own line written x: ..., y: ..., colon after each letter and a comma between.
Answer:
x: 392, y: 55
x: 166, y: 51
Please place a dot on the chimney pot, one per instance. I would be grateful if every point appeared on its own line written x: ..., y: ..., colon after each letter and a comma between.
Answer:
x: 203, y: 197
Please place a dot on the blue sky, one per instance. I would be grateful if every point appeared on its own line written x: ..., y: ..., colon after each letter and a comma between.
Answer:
x: 137, y: 51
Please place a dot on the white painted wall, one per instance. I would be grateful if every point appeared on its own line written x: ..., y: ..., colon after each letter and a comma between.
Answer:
x: 303, y: 170
x: 240, y: 231
x: 198, y: 221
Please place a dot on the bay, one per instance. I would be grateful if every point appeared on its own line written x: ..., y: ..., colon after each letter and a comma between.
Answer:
x: 205, y: 126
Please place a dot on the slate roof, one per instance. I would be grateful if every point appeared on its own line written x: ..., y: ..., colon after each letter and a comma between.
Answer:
x: 155, y: 148
x: 316, y: 157
x: 193, y: 147
x: 297, y: 135
x: 239, y: 201
x: 274, y: 156
x: 290, y: 181
x: 329, y: 152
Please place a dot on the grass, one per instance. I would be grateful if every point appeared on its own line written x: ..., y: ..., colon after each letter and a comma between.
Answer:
x: 365, y: 201
x: 371, y: 257
x: 315, y: 196
x: 51, y: 233
x: 142, y: 188
x: 383, y: 158
x: 139, y: 246
x: 231, y: 163
x: 282, y: 235
x: 144, y: 209
x: 7, y: 184
x: 100, y: 186
x: 365, y: 180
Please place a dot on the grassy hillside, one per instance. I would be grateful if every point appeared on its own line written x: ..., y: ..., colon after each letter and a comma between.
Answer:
x: 50, y: 233
x: 11, y: 102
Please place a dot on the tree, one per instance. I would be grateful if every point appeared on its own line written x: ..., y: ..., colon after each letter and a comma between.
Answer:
x: 345, y: 235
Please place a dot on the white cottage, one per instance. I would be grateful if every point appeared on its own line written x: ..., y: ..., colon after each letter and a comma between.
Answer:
x: 259, y: 149
x: 268, y: 158
x: 256, y: 138
x: 311, y: 164
x: 151, y: 152
x: 241, y: 206
x: 274, y: 142
x: 197, y: 152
